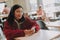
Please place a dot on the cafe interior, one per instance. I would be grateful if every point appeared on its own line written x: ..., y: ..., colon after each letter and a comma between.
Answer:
x: 46, y: 13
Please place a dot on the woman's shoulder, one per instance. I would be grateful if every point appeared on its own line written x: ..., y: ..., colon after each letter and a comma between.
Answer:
x: 28, y: 19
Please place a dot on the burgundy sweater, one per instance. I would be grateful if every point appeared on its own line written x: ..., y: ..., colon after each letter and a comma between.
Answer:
x: 12, y: 31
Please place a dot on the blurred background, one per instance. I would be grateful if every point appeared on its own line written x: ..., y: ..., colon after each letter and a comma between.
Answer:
x: 51, y: 10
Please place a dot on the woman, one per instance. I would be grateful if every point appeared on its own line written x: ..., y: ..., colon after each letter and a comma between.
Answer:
x: 41, y: 13
x: 5, y: 10
x: 17, y: 25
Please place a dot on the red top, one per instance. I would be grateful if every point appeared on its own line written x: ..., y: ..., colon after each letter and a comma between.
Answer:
x: 12, y: 31
x: 39, y: 12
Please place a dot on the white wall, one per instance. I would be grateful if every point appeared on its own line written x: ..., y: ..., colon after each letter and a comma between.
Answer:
x: 25, y: 5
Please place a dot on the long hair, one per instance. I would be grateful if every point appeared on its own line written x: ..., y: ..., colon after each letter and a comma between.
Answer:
x: 11, y: 16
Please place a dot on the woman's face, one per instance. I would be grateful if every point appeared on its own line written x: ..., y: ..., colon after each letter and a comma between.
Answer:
x: 18, y: 13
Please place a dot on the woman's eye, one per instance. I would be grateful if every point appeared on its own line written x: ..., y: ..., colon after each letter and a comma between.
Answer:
x: 18, y: 11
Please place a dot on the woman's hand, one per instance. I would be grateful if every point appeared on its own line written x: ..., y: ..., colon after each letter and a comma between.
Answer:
x: 29, y: 32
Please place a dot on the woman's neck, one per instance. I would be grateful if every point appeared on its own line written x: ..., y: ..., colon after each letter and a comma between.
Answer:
x: 20, y: 20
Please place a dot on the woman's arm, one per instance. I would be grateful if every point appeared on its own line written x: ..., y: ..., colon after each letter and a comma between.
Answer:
x: 12, y: 33
x: 33, y: 23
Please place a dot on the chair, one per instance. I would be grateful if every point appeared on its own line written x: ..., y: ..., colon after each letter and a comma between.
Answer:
x: 42, y: 24
x: 2, y: 36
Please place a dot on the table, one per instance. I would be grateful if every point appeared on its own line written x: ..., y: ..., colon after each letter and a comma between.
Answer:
x: 41, y: 35
x: 3, y: 15
x: 53, y: 24
x: 36, y: 16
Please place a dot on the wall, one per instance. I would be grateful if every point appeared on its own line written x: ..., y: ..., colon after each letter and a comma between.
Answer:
x: 3, y: 0
x: 9, y: 3
x: 23, y: 3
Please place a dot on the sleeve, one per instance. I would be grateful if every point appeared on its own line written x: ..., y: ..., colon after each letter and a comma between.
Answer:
x: 12, y: 33
x: 33, y: 23
x: 37, y: 28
